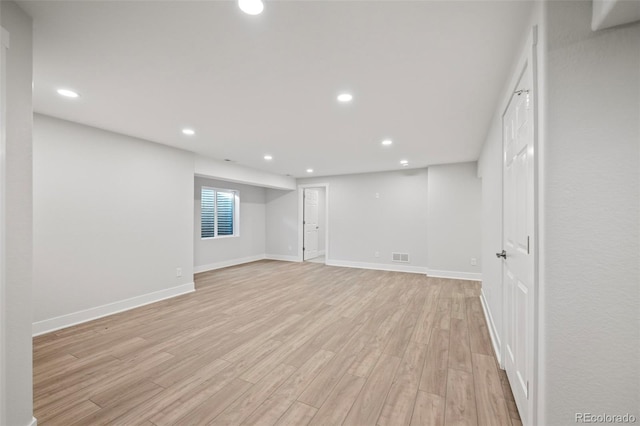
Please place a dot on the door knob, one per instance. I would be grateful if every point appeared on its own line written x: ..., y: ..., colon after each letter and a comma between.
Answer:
x: 502, y: 254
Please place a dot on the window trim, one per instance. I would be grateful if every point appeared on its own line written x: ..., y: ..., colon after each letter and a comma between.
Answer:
x: 236, y: 213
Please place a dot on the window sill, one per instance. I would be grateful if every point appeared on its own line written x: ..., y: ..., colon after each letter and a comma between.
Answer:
x: 221, y: 237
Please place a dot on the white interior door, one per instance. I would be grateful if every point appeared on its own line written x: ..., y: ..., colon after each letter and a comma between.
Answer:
x: 518, y: 233
x: 311, y: 227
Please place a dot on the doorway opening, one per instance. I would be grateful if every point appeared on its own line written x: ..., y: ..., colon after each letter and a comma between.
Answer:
x: 313, y: 216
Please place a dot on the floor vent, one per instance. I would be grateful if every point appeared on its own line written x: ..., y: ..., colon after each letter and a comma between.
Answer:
x: 400, y: 257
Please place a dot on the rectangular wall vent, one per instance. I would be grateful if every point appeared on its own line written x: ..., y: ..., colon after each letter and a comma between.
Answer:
x: 400, y: 257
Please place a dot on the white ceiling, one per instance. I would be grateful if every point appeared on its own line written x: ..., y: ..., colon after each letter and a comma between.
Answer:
x: 425, y: 74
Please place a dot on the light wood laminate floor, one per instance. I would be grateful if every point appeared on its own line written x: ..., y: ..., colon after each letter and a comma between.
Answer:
x: 277, y: 343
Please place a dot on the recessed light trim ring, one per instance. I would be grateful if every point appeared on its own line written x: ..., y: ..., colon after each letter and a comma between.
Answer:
x: 68, y: 93
x: 251, y: 7
x: 345, y: 97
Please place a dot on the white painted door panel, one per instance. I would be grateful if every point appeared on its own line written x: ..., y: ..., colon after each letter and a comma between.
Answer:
x: 518, y: 234
x: 311, y: 227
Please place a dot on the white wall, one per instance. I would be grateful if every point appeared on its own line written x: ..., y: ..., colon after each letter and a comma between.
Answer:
x: 282, y: 224
x: 589, y: 215
x: 397, y: 221
x: 590, y: 273
x: 113, y: 219
x: 611, y: 13
x: 17, y: 356
x: 361, y: 224
x: 230, y: 172
x: 454, y: 220
x: 490, y: 170
x: 213, y: 253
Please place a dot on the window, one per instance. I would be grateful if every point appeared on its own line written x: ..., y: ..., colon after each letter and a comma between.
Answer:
x: 219, y: 213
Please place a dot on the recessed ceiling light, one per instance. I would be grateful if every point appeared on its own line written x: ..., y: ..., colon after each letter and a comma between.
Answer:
x: 188, y: 132
x: 309, y: 170
x: 268, y: 157
x: 404, y: 163
x: 387, y: 142
x: 68, y: 93
x: 345, y: 97
x: 251, y: 7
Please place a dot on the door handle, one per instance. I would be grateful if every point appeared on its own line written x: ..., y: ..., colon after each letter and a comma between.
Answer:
x: 502, y: 254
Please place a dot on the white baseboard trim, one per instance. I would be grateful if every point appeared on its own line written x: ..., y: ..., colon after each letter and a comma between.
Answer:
x: 64, y: 321
x: 34, y: 422
x: 282, y: 257
x: 227, y: 263
x: 493, y: 332
x: 377, y: 266
x: 471, y: 276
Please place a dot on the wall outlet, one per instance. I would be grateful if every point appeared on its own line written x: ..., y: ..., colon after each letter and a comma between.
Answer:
x: 377, y: 195
x: 289, y: 248
x: 474, y: 261
x: 178, y: 272
x: 376, y: 254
